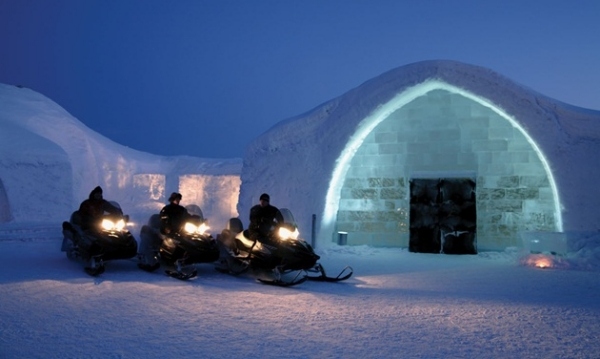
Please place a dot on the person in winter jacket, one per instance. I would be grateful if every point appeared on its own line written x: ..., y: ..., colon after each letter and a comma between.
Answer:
x: 262, y: 218
x: 173, y: 215
x: 92, y: 209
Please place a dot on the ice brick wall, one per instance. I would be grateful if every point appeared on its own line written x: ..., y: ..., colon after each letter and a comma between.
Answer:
x: 216, y: 195
x: 445, y: 135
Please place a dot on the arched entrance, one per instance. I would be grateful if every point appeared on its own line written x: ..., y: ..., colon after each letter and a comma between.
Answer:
x: 435, y: 131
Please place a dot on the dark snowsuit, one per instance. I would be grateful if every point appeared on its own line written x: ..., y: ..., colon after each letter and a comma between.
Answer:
x: 92, y: 209
x: 172, y: 218
x: 261, y: 221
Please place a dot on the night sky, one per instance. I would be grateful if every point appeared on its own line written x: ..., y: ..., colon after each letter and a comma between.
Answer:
x: 204, y: 78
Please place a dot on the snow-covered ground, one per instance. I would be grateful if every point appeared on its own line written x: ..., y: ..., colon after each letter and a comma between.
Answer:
x: 397, y: 305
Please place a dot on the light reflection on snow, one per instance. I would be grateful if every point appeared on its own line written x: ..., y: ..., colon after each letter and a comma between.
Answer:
x: 543, y: 261
x: 371, y: 282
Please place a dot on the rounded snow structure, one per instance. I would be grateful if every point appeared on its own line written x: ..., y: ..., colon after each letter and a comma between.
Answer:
x: 436, y: 156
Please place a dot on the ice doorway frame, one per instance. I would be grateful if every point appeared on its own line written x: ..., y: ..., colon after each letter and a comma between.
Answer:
x: 367, y: 125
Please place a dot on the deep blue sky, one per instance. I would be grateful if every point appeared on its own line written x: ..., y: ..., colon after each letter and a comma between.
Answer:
x: 204, y: 78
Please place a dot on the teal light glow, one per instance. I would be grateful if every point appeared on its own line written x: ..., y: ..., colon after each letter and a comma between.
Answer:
x: 381, y: 113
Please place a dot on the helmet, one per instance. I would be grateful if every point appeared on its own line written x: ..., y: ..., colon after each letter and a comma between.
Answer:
x: 174, y: 196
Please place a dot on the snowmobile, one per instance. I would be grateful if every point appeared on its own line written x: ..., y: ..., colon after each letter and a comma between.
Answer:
x: 108, y: 240
x: 178, y: 252
x: 280, y: 258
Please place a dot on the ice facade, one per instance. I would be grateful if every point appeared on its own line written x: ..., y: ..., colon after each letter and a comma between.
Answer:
x: 525, y: 157
x: 444, y: 135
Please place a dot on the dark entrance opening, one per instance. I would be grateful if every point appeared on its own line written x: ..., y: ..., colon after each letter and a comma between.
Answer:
x: 443, y: 218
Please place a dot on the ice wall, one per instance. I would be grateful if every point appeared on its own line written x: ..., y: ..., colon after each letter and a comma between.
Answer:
x: 49, y: 163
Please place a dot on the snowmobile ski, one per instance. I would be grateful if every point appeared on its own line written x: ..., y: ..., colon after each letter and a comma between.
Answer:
x: 230, y: 271
x: 343, y: 275
x: 95, y: 271
x: 181, y: 275
x: 149, y: 267
x: 298, y: 279
x: 232, y: 265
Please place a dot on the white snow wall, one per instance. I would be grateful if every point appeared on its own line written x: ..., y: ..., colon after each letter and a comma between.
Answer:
x: 35, y: 177
x: 49, y: 163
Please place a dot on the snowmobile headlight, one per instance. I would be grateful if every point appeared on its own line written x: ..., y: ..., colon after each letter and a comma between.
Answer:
x: 109, y: 225
x: 203, y: 228
x: 195, y: 229
x: 285, y: 233
x: 120, y: 225
x: 189, y: 227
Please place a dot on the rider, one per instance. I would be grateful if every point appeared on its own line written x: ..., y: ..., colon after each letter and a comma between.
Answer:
x: 173, y: 215
x: 93, y: 208
x: 262, y: 217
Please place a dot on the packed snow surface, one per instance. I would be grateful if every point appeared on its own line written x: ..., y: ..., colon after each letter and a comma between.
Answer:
x: 397, y: 305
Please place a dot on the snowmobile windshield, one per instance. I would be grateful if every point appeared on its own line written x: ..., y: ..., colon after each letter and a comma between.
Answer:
x: 287, y: 228
x: 286, y: 216
x: 195, y: 211
x: 116, y: 205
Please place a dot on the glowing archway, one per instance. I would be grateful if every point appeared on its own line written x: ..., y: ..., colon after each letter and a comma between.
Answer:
x: 381, y: 113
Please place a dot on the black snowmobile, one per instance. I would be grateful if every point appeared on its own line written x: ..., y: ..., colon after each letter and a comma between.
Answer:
x: 108, y: 240
x: 281, y: 258
x: 179, y: 251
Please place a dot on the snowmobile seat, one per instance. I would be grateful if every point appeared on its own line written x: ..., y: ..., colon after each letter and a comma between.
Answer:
x: 227, y: 236
x: 235, y: 225
x: 76, y: 218
x: 67, y: 226
x: 247, y: 235
x: 154, y: 221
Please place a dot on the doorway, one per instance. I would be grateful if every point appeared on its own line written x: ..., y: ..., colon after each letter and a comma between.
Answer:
x: 443, y: 216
